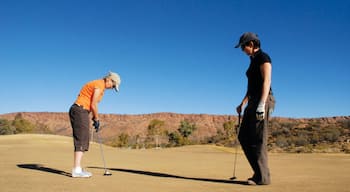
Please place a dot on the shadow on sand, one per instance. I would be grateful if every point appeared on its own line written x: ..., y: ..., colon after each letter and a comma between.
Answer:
x: 156, y: 174
x: 39, y: 167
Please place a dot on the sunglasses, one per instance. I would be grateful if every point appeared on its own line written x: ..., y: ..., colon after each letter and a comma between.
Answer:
x: 114, y: 83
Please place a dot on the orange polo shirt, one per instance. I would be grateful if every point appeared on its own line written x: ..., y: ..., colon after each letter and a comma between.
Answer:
x: 85, y: 96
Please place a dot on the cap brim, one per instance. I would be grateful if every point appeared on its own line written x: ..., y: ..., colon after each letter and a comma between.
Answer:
x: 116, y: 89
x: 238, y: 45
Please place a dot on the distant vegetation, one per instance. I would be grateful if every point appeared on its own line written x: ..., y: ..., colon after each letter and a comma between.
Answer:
x: 21, y: 125
x: 158, y: 136
x: 294, y: 135
x: 310, y: 136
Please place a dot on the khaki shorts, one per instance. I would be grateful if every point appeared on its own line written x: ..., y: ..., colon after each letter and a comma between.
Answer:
x: 79, y: 119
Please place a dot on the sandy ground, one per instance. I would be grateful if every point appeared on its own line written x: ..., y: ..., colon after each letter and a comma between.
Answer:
x: 35, y: 163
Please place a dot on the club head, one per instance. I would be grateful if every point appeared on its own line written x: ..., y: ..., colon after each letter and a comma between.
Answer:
x: 233, y: 178
x: 107, y: 173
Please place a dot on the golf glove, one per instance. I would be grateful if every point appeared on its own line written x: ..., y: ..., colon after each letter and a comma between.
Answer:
x: 96, y: 124
x: 260, y: 111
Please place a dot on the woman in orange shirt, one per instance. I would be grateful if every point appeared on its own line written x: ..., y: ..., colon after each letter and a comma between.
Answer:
x: 90, y: 95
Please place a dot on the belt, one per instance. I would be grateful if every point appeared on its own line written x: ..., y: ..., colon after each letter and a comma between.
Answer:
x: 80, y: 106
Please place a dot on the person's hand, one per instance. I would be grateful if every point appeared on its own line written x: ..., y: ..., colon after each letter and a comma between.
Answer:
x: 260, y: 111
x: 96, y: 124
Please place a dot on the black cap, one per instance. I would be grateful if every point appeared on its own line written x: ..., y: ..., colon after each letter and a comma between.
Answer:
x: 246, y: 37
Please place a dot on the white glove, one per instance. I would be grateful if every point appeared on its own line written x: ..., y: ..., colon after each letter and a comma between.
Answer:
x: 260, y: 111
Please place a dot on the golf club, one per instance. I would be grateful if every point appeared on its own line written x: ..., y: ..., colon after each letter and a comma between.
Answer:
x: 106, y: 173
x: 237, y: 132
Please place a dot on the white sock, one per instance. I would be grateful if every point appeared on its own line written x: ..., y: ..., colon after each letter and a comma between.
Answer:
x: 78, y: 169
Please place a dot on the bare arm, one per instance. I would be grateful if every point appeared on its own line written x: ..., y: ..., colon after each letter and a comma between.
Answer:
x: 266, y: 75
x: 240, y: 106
x: 94, y: 108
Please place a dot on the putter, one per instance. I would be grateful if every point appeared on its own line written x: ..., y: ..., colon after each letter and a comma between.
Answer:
x: 234, y: 164
x: 106, y: 173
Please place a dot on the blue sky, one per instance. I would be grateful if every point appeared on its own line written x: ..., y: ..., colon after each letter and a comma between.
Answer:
x: 173, y: 55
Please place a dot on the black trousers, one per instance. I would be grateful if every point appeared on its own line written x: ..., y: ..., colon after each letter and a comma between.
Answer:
x: 253, y: 139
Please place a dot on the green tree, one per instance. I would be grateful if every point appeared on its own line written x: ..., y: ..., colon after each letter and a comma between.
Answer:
x: 186, y: 128
x: 155, y: 127
x: 155, y: 131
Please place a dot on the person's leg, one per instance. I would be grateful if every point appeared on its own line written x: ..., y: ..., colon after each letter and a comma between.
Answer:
x: 258, y: 155
x: 249, y: 152
x: 77, y: 170
x: 78, y: 155
x: 80, y: 123
x: 253, y: 139
x: 247, y: 137
x: 262, y: 153
x: 262, y: 162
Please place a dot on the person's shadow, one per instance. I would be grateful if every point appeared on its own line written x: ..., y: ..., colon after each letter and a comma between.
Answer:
x: 39, y: 167
x: 157, y: 174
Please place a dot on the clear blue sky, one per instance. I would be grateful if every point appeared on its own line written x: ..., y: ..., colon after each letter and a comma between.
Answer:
x: 173, y: 55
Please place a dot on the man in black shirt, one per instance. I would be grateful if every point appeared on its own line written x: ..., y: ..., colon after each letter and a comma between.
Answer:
x: 259, y: 100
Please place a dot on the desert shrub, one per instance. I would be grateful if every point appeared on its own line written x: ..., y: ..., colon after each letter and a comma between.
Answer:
x: 273, y: 124
x: 300, y: 140
x: 281, y: 141
x: 229, y: 128
x: 42, y: 129
x: 330, y: 134
x: 315, y: 138
x: 345, y: 124
x: 22, y: 125
x: 315, y: 123
x: 5, y: 127
x: 283, y: 131
x: 219, y: 137
x: 175, y: 139
x: 225, y: 136
x: 288, y: 125
x: 276, y: 133
x: 138, y: 142
x: 301, y: 149
x: 122, y: 140
x: 346, y: 147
